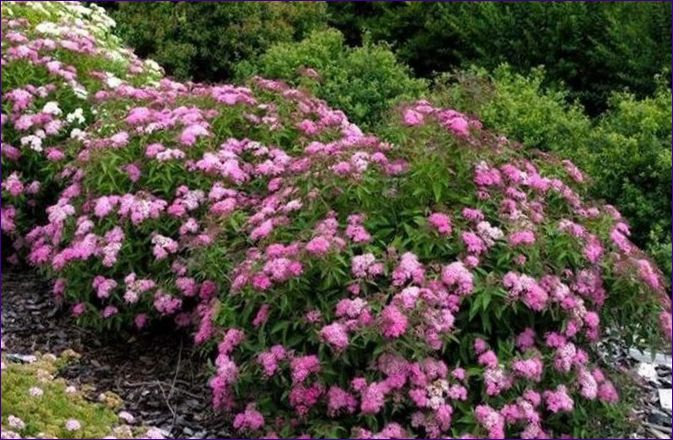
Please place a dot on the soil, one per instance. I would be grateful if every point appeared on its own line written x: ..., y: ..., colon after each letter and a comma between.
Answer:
x: 160, y: 376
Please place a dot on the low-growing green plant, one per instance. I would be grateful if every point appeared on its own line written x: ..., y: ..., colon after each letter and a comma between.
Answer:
x: 365, y: 82
x: 38, y: 404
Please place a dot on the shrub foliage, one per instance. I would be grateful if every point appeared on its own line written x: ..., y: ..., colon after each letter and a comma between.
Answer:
x: 205, y: 41
x: 592, y: 48
x: 365, y: 81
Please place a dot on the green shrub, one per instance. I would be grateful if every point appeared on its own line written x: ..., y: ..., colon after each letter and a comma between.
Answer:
x: 203, y: 41
x: 365, y: 82
x: 518, y: 106
x: 630, y: 160
x: 660, y: 249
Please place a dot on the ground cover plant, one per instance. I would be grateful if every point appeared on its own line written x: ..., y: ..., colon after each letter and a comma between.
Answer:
x: 435, y: 279
x: 37, y: 404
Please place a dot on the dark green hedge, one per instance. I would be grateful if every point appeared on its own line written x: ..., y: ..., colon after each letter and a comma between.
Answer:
x: 594, y: 48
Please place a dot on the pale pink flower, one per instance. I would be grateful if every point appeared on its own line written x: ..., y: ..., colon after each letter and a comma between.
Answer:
x: 72, y: 425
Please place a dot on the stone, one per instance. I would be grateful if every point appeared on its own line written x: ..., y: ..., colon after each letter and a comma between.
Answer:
x: 647, y: 371
x: 665, y: 399
x: 20, y: 358
x: 646, y: 356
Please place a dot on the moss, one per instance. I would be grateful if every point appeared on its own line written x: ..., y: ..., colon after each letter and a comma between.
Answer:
x: 46, y: 415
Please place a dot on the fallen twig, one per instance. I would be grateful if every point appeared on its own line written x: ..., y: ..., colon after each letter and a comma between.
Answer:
x: 175, y: 377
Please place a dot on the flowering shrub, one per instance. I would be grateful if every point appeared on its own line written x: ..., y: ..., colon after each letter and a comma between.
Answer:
x: 54, y: 56
x: 627, y: 152
x: 436, y: 281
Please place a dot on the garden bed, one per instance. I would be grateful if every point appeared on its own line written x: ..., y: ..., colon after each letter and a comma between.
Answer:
x: 430, y: 279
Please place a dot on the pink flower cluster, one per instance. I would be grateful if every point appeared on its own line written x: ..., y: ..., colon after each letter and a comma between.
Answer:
x: 249, y: 420
x: 458, y: 277
x: 441, y: 222
x: 409, y: 269
x: 527, y: 289
x: 363, y: 266
x: 520, y: 238
x: 458, y: 123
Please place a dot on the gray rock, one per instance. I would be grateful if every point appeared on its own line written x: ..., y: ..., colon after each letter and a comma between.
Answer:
x: 665, y: 398
x: 646, y: 356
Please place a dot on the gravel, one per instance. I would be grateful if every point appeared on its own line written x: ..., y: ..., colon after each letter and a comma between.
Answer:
x: 651, y: 374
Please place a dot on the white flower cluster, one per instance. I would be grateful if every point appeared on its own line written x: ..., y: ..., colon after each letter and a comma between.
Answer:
x: 52, y: 108
x: 77, y: 116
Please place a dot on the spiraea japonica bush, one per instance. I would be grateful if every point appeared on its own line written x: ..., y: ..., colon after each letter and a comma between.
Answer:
x: 633, y: 136
x: 434, y: 281
x: 54, y: 56
x: 446, y: 284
